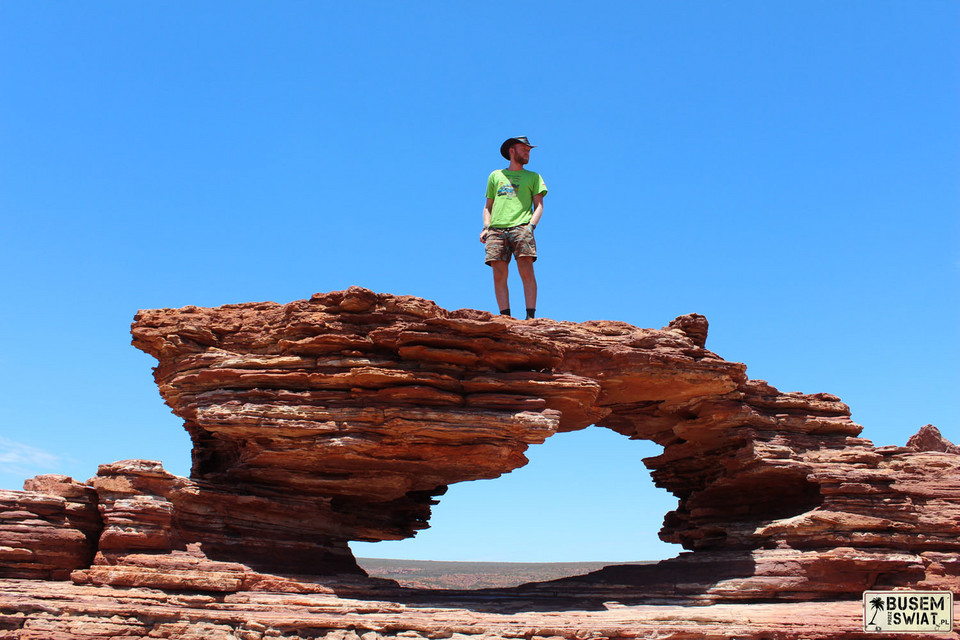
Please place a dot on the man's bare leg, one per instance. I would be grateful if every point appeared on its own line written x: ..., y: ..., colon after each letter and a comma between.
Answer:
x: 525, y: 267
x: 500, y: 272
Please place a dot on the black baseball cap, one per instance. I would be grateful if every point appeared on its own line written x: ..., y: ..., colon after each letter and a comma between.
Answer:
x: 509, y: 142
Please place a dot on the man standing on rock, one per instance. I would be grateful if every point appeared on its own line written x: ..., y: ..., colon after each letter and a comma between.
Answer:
x: 513, y: 209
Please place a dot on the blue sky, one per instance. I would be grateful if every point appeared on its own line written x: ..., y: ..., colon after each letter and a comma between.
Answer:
x: 788, y: 169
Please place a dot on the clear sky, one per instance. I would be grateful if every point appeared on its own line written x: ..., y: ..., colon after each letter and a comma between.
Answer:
x: 788, y: 169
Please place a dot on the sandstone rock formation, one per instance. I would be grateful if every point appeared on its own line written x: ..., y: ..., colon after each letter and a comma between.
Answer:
x: 345, y: 416
x: 49, y: 529
x: 33, y: 610
x: 367, y: 406
x: 930, y: 439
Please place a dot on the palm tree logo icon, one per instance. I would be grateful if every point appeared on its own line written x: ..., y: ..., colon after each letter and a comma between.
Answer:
x: 877, y: 605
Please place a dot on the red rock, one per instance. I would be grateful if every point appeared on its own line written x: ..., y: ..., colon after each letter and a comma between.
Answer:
x: 343, y: 417
x: 36, y: 610
x: 929, y: 439
x: 147, y: 510
x: 374, y: 403
x: 49, y: 529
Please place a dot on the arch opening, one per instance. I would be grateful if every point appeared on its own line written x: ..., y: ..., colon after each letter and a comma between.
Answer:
x: 583, y: 501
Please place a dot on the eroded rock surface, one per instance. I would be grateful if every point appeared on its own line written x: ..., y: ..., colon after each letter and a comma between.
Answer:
x: 373, y: 404
x: 345, y: 416
x: 32, y: 610
x: 49, y: 529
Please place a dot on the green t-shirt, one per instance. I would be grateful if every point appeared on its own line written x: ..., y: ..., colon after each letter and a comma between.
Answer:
x: 512, y: 193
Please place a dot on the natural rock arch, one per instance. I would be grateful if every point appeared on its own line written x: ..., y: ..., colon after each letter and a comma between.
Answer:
x: 343, y: 417
x: 377, y: 403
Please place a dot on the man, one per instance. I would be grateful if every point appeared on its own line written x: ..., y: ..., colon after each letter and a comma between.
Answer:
x: 513, y: 209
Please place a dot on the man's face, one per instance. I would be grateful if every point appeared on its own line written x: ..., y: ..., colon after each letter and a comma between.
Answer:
x: 521, y: 152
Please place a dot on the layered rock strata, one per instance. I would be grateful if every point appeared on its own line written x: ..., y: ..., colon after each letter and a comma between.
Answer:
x: 367, y: 406
x: 58, y: 610
x: 31, y: 610
x: 49, y: 529
x: 147, y: 511
x: 345, y: 416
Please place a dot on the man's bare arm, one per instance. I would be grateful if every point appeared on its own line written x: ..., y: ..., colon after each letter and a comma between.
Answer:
x: 487, y: 216
x: 537, y: 209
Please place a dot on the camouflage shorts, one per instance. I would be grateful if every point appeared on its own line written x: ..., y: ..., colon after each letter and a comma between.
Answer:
x: 517, y: 241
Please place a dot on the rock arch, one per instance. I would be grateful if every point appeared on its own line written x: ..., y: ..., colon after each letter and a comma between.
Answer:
x: 344, y: 417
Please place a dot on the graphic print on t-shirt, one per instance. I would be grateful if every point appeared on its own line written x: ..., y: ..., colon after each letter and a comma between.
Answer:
x: 508, y: 189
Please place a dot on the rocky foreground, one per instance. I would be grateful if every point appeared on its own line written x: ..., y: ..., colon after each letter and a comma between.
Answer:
x: 37, y: 610
x: 345, y: 416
